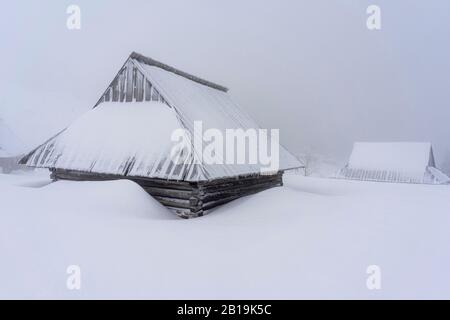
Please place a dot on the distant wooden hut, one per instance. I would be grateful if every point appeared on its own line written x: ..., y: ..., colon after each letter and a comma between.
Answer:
x: 406, y: 162
x: 10, y: 149
x: 127, y: 136
x: 9, y: 163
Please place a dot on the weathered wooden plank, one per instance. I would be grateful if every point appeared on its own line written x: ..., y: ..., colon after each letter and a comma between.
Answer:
x: 107, y: 95
x: 148, y: 91
x: 115, y: 90
x: 143, y: 181
x: 153, y: 182
x: 129, y: 83
x: 230, y: 184
x: 239, y: 178
x: 210, y: 205
x: 139, y: 86
x: 177, y: 203
x: 134, y: 83
x: 170, y: 193
x: 152, y: 62
x: 122, y: 86
x: 238, y: 191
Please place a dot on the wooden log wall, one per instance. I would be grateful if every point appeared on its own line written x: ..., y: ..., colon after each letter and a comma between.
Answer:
x: 187, y: 199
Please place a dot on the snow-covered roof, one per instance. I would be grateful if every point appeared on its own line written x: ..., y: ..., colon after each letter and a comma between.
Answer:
x: 411, y: 162
x: 114, y: 138
x: 406, y: 156
x: 85, y: 145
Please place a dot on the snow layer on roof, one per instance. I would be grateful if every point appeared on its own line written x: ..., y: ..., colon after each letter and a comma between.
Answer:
x: 194, y: 101
x: 394, y: 156
x: 114, y: 138
x: 406, y: 162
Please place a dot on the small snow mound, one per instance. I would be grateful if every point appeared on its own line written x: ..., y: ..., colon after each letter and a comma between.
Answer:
x: 116, y: 198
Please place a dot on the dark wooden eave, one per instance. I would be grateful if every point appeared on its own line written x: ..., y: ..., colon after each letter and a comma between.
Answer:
x: 151, y: 62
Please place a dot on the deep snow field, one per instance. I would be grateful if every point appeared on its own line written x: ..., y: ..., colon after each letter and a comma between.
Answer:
x: 311, y: 238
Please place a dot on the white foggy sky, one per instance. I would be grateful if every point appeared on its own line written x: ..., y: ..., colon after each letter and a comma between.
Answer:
x: 310, y: 68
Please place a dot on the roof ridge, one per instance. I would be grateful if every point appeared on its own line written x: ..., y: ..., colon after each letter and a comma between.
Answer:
x: 152, y: 62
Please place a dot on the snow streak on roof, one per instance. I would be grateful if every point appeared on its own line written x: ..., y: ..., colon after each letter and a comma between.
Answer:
x: 410, y: 162
x: 114, y: 138
x: 140, y: 143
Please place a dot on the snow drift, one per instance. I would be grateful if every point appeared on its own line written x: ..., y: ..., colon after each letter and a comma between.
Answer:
x: 312, y: 238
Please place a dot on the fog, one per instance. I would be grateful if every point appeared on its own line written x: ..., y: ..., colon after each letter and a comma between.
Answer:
x: 310, y: 68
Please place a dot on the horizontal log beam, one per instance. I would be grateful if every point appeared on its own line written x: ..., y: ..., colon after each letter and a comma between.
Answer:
x: 188, y: 199
x: 168, y: 192
x: 241, y: 190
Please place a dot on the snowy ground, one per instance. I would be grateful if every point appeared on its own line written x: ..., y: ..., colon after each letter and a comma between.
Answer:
x: 312, y: 238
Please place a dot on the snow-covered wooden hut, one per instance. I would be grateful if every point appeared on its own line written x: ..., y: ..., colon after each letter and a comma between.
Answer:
x: 128, y: 135
x: 408, y: 162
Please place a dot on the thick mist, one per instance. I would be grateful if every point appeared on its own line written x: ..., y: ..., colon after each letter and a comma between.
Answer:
x: 310, y: 68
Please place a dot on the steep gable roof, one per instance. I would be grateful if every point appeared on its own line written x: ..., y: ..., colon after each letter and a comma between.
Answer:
x: 190, y: 99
